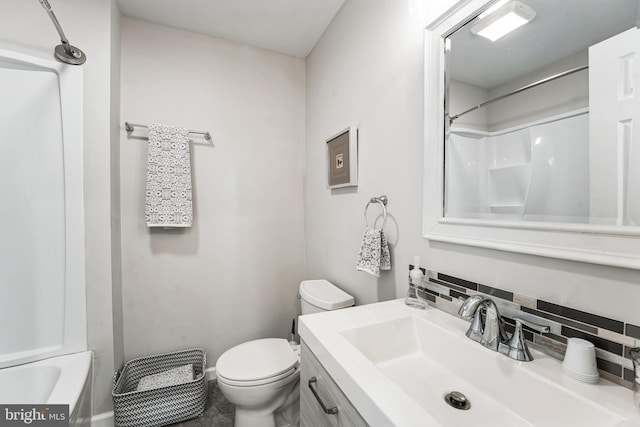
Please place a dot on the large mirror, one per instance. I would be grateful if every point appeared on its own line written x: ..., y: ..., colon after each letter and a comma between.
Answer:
x: 536, y: 150
x: 540, y: 122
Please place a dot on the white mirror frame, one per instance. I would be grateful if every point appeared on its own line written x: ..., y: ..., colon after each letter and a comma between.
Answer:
x: 597, y: 244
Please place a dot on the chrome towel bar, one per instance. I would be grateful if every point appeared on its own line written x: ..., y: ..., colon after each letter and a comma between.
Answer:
x: 129, y: 127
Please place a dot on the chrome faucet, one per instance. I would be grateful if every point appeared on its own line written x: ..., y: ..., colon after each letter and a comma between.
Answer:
x: 490, y: 331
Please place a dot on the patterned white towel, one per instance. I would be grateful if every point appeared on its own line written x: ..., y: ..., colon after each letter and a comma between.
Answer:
x: 168, y: 201
x: 374, y: 252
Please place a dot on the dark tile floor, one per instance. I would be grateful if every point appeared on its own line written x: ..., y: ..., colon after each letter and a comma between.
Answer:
x: 218, y: 413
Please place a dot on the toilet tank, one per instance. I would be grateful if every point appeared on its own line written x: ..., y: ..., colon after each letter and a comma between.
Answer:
x: 322, y: 295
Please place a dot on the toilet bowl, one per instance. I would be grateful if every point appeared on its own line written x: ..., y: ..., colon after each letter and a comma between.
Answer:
x: 261, y: 377
x: 258, y: 377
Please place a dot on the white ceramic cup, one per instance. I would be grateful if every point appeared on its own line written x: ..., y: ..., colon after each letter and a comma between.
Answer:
x: 580, y: 358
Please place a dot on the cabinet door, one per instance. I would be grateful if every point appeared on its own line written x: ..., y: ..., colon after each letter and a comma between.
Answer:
x: 311, y: 413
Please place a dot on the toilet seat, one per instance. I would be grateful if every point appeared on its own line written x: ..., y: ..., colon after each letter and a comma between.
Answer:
x: 257, y: 362
x: 257, y: 382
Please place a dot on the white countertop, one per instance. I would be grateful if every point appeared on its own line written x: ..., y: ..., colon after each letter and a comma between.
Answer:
x: 382, y: 402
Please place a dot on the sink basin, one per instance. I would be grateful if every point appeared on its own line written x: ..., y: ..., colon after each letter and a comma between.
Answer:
x: 427, y: 360
x: 396, y: 364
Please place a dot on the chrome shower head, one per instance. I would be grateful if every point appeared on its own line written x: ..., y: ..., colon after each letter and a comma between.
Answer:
x: 64, y: 52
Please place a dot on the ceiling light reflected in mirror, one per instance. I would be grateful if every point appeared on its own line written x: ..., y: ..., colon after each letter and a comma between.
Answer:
x: 503, y: 19
x: 548, y: 136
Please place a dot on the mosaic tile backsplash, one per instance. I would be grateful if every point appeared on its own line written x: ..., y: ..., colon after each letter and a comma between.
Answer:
x: 612, y: 338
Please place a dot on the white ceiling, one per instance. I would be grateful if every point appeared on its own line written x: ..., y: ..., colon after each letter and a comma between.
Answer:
x: 291, y: 27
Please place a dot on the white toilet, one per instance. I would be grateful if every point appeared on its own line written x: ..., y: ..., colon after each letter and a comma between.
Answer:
x: 261, y: 377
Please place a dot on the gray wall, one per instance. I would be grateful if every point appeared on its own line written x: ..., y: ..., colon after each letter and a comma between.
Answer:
x: 463, y: 96
x: 233, y: 276
x: 367, y: 70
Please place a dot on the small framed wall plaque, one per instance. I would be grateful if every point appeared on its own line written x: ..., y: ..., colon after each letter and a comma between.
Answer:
x: 342, y: 159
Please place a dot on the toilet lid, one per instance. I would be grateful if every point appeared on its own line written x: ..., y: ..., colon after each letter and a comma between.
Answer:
x: 257, y: 360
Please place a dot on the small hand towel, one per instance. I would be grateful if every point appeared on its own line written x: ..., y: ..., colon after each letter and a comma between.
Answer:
x: 180, y: 375
x: 374, y: 252
x: 168, y: 197
x: 385, y: 255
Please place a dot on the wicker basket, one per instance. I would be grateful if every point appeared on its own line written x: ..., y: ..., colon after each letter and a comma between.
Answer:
x: 160, y: 406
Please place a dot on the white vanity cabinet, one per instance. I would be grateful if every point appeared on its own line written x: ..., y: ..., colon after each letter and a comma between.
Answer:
x: 311, y: 412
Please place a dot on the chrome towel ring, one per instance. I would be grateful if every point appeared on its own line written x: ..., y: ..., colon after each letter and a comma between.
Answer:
x: 382, y: 200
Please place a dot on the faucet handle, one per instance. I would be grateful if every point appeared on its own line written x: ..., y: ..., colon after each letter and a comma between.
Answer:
x: 517, y: 348
x: 543, y: 329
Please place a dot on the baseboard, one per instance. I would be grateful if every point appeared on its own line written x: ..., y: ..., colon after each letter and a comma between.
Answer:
x: 104, y: 419
x: 211, y: 373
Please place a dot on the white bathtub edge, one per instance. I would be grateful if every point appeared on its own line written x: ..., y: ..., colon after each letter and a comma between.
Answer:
x: 74, y: 371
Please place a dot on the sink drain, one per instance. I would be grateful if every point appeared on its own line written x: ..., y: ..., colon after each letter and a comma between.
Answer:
x: 457, y: 400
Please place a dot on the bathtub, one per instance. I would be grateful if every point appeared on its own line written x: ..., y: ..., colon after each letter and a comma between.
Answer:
x: 57, y: 380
